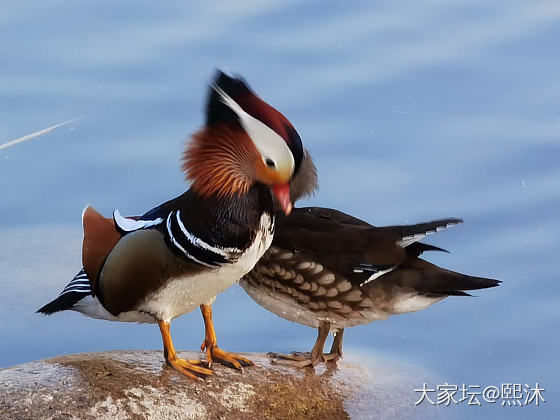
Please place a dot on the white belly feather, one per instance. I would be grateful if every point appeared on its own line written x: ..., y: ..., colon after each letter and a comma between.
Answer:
x: 184, y: 294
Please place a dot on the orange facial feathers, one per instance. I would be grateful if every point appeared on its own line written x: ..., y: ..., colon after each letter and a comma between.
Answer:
x: 221, y: 161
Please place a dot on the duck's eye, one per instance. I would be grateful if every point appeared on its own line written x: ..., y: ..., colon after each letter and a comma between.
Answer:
x: 270, y: 163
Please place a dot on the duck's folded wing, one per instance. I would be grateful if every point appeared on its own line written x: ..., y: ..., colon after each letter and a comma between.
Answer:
x: 101, y: 234
x: 360, y: 252
x: 355, y: 251
x: 333, y: 215
x: 177, y: 228
x: 100, y: 237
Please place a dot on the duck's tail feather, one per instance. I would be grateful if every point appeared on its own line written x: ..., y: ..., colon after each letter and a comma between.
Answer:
x: 413, y: 233
x: 429, y: 279
x: 458, y: 284
x: 416, y: 249
x: 75, y: 291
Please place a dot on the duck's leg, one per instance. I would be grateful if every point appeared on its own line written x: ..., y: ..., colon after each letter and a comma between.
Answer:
x: 210, y: 344
x: 317, y: 350
x: 186, y: 367
x: 336, y: 349
x: 316, y: 355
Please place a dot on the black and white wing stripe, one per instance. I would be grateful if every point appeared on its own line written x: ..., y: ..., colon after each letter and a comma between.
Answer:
x: 127, y: 224
x: 414, y: 233
x: 409, y: 234
x: 193, y: 248
x: 179, y: 239
x: 373, y: 270
x: 80, y: 283
x: 74, y: 292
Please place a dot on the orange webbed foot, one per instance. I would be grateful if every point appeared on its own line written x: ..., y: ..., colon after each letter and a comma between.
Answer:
x: 214, y: 354
x: 191, y: 368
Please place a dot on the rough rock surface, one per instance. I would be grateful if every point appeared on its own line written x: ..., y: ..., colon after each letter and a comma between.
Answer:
x: 138, y: 385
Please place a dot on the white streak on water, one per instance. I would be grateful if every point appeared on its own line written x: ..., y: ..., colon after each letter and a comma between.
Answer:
x: 37, y: 133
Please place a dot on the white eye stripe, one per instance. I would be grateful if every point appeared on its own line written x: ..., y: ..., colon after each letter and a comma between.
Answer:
x: 267, y: 141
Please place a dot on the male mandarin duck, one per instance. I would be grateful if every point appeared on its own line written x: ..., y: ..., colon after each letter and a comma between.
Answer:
x: 329, y: 270
x: 181, y: 254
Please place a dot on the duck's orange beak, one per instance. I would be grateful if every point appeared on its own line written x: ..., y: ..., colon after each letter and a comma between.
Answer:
x: 282, y: 193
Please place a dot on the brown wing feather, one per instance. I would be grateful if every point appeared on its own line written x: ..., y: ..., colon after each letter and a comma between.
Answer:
x: 334, y: 215
x: 338, y: 246
x: 100, y: 237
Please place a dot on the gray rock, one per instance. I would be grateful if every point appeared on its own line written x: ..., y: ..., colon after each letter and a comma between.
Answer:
x: 138, y: 385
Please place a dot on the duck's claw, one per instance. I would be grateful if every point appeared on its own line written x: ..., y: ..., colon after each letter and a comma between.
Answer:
x: 191, y: 368
x: 305, y: 359
x: 214, y: 354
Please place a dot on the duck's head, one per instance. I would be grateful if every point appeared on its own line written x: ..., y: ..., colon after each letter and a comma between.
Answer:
x: 245, y: 141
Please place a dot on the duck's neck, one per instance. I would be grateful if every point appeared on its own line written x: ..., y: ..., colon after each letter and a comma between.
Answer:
x: 227, y: 221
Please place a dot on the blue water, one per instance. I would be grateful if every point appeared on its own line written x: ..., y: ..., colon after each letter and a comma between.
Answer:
x: 412, y: 111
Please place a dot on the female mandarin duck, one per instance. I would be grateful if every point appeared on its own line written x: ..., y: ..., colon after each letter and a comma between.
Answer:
x: 329, y: 270
x: 181, y: 254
